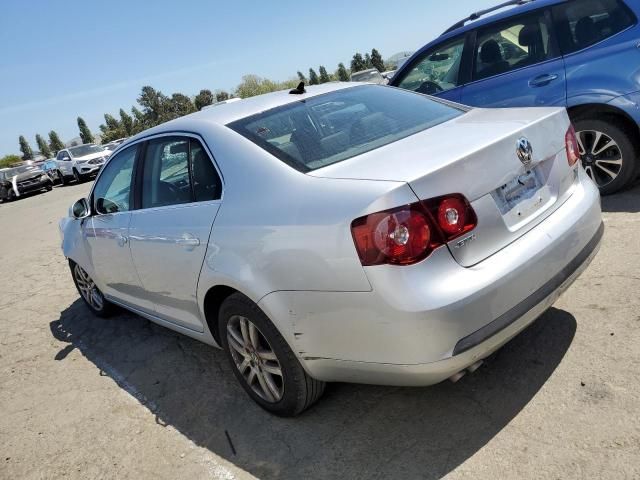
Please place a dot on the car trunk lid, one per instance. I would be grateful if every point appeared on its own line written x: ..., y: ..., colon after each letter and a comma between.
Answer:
x: 476, y: 155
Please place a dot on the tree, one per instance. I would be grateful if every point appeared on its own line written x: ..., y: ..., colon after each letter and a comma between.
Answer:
x: 9, y: 160
x: 367, y: 60
x: 254, y: 85
x: 357, y: 63
x: 324, y: 76
x: 85, y: 133
x: 139, y: 121
x: 376, y: 60
x: 343, y: 75
x: 43, y: 147
x: 313, y: 77
x: 221, y: 96
x: 54, y: 142
x: 178, y: 106
x: 25, y: 148
x: 126, y: 122
x: 204, y: 98
x: 154, y: 106
x: 302, y: 77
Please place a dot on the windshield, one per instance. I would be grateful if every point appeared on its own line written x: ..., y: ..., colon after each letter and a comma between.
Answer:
x: 83, y: 150
x: 329, y: 128
x: 18, y: 170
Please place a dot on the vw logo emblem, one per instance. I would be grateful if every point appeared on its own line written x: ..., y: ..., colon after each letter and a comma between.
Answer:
x: 524, y: 150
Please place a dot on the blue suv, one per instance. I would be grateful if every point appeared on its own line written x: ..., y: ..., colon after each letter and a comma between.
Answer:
x: 580, y: 54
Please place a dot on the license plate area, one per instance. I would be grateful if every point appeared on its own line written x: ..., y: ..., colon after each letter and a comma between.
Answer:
x: 522, y: 197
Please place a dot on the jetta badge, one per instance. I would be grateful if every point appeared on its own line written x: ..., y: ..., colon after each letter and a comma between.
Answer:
x: 524, y: 150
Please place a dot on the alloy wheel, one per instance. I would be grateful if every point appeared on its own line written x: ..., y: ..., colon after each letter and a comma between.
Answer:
x: 601, y: 156
x: 88, y: 288
x: 255, y: 359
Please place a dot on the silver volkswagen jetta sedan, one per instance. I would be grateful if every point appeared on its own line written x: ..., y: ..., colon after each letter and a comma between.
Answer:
x: 355, y: 233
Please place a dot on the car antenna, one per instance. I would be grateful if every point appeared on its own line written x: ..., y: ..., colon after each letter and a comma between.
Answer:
x: 299, y: 90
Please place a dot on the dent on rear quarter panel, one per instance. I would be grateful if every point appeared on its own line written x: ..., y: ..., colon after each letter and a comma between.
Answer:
x: 279, y: 229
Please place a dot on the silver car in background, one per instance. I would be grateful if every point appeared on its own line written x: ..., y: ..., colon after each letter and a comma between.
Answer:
x: 352, y: 233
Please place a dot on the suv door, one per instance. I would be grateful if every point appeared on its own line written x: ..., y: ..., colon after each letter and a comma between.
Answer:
x: 179, y: 200
x: 516, y: 63
x: 437, y: 71
x: 598, y: 44
x: 108, y: 228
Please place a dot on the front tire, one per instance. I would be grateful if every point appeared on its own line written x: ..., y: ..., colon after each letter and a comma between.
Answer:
x: 608, y: 154
x: 262, y: 361
x: 90, y: 293
x: 76, y: 176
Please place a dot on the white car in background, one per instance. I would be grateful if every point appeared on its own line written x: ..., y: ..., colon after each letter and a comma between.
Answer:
x: 112, y: 145
x: 81, y: 162
x: 371, y: 75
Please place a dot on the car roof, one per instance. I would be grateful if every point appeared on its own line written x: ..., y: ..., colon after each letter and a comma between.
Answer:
x: 229, y: 112
x: 509, y: 11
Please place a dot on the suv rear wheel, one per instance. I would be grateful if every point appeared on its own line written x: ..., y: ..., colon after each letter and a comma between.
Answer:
x: 262, y: 361
x: 608, y: 154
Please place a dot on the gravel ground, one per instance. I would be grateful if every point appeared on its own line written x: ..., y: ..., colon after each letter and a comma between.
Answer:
x: 82, y: 397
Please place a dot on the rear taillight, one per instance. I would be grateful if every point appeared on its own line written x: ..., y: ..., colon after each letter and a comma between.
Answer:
x: 571, y: 141
x: 408, y: 234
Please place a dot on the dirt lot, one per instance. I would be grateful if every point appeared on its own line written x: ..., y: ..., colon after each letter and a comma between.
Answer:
x: 82, y: 397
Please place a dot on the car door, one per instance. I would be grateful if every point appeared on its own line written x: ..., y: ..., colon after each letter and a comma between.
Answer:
x: 601, y: 50
x: 516, y: 63
x: 437, y: 71
x: 107, y: 232
x: 180, y: 195
x: 63, y: 160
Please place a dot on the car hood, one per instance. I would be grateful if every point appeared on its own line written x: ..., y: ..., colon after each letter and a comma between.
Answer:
x: 91, y: 156
x: 21, y: 177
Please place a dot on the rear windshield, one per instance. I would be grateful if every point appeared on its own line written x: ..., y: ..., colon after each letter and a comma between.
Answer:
x: 332, y: 127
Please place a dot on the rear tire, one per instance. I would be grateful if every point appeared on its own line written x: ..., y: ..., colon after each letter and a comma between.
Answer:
x: 258, y: 350
x: 89, y: 292
x: 611, y: 168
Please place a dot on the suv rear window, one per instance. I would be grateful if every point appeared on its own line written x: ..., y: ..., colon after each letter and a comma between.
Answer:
x: 332, y: 127
x: 583, y: 23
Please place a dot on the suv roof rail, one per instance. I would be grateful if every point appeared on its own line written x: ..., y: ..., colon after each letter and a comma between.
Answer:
x: 480, y: 13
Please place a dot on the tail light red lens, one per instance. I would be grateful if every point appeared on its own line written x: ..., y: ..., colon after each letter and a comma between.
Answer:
x: 571, y: 141
x: 408, y: 234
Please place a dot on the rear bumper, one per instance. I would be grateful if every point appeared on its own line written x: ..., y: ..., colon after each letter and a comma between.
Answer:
x: 425, y: 322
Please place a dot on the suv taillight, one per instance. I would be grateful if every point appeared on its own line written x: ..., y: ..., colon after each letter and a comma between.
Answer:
x: 571, y: 142
x: 408, y: 234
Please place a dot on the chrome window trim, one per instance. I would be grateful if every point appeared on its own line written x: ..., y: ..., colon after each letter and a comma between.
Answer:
x: 173, y: 133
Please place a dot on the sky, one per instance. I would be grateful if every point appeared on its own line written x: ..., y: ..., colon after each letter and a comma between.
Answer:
x: 69, y: 58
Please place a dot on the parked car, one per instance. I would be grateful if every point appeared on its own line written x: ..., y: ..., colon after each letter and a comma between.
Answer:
x: 351, y: 233
x: 17, y: 181
x: 111, y: 146
x: 371, y: 75
x: 580, y: 54
x: 50, y: 167
x: 81, y: 162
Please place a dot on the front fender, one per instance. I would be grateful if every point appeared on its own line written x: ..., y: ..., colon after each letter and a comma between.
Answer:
x: 73, y: 242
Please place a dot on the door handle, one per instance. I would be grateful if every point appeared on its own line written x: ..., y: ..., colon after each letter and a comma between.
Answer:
x: 543, y: 80
x: 188, y: 241
x: 122, y: 240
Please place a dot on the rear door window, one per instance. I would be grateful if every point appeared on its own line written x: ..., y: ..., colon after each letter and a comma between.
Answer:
x: 582, y: 23
x: 511, y: 45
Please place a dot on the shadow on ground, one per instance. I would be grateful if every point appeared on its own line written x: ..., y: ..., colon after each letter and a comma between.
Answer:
x: 626, y: 201
x: 355, y: 431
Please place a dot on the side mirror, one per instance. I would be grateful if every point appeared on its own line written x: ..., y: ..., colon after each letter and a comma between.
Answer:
x: 80, y: 209
x: 105, y: 206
